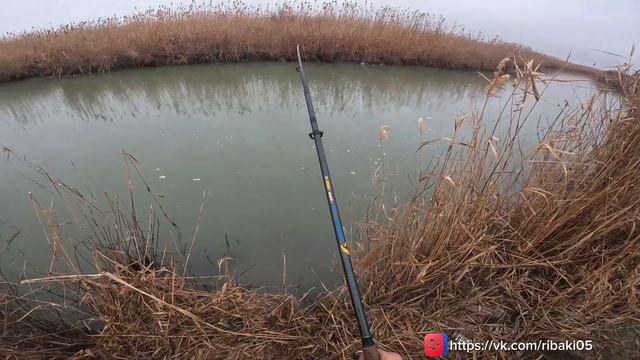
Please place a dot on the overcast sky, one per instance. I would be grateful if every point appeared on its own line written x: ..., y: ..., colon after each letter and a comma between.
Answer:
x: 555, y: 27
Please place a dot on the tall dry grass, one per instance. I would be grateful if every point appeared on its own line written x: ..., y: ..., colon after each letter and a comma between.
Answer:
x: 499, y: 242
x: 233, y: 32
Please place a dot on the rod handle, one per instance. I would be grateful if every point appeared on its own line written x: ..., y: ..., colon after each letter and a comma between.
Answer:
x: 371, y: 352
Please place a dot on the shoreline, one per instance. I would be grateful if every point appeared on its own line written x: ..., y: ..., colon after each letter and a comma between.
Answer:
x: 234, y: 33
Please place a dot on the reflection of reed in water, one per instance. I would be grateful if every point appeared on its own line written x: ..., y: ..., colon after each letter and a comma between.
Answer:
x: 234, y: 88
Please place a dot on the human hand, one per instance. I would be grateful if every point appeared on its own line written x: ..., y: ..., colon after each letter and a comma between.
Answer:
x: 385, y: 355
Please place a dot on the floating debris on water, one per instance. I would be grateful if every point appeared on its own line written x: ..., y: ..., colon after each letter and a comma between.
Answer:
x: 162, y: 177
x: 196, y: 179
x: 352, y: 172
x: 157, y: 169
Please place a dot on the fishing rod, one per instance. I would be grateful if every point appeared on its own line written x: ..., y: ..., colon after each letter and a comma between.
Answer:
x: 369, y: 346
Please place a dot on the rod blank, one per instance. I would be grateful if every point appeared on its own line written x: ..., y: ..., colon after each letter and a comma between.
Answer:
x: 370, y: 349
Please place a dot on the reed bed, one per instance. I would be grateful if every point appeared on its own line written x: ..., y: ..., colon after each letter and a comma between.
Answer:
x: 232, y: 32
x: 499, y: 242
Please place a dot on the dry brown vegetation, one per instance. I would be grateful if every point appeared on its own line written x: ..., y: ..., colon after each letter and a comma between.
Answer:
x: 498, y: 243
x: 234, y: 32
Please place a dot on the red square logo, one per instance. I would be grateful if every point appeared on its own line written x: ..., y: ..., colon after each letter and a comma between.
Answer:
x: 436, y: 344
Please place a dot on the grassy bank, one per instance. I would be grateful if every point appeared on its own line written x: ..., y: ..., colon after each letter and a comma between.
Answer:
x: 234, y: 32
x: 498, y: 243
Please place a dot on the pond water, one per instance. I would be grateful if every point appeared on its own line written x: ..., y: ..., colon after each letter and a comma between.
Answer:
x: 238, y: 134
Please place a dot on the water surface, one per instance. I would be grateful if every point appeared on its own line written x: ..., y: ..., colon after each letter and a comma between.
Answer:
x: 238, y: 133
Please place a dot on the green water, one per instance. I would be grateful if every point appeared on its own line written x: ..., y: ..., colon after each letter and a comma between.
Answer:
x: 238, y: 133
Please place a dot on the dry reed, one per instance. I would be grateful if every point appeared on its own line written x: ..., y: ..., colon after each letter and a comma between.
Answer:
x: 497, y: 243
x: 233, y: 32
